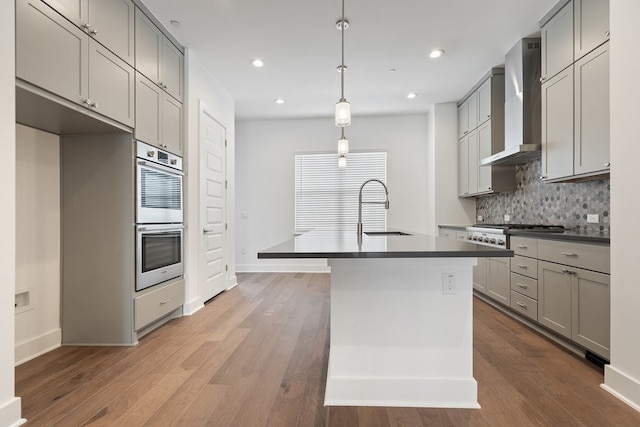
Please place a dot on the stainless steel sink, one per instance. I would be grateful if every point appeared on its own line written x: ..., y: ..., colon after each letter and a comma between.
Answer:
x: 386, y: 233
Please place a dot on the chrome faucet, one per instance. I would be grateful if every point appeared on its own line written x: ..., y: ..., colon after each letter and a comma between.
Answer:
x: 360, y: 202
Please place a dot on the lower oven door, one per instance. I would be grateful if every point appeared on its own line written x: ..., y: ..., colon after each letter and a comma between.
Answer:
x: 159, y: 250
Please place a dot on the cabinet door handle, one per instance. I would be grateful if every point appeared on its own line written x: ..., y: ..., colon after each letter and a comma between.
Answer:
x: 93, y: 32
x: 521, y: 246
x: 94, y: 105
x: 607, y: 33
x: 521, y: 304
x: 521, y: 285
x: 569, y: 254
x: 567, y: 271
x: 607, y: 164
x: 165, y: 301
x: 522, y: 266
x: 543, y: 177
x: 87, y: 101
x: 541, y: 79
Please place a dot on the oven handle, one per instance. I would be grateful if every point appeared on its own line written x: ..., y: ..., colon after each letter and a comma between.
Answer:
x: 161, y: 168
x: 165, y: 227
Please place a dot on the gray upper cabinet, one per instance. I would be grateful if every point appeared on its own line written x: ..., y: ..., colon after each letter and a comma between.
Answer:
x: 111, y: 83
x: 57, y: 56
x: 112, y: 24
x: 468, y: 115
x: 157, y: 58
x: 557, y: 126
x: 591, y: 25
x: 463, y: 167
x: 591, y: 133
x: 557, y: 41
x: 76, y: 11
x: 51, y: 53
x: 485, y: 106
x: 159, y: 118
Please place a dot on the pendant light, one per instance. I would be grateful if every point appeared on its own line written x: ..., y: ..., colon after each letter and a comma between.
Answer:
x: 343, y: 108
x: 343, y: 145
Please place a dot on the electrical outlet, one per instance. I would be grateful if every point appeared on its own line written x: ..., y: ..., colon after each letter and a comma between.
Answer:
x: 448, y: 283
x: 507, y: 217
x: 593, y: 218
x: 479, y: 218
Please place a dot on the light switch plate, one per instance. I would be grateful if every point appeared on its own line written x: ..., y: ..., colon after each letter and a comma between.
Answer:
x: 507, y: 218
x: 593, y: 218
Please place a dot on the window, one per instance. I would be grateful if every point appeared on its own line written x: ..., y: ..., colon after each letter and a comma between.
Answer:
x: 327, y: 197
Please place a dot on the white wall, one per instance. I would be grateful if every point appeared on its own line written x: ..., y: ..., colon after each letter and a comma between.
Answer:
x: 204, y: 89
x: 9, y: 404
x: 444, y: 206
x: 622, y: 376
x: 265, y: 178
x: 38, y: 245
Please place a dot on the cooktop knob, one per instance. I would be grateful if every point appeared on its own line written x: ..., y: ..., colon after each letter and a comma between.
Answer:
x: 501, y: 242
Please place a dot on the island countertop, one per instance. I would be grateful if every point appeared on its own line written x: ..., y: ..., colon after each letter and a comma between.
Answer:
x: 345, y: 244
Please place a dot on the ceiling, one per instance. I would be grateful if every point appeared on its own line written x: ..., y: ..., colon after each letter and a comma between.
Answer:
x: 300, y: 45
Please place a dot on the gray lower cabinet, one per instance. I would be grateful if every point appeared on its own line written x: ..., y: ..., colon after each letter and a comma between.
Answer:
x: 498, y: 280
x: 55, y: 55
x: 159, y: 118
x: 480, y: 275
x: 575, y: 303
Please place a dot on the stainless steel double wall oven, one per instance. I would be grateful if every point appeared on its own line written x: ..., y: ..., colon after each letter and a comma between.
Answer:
x: 159, y: 216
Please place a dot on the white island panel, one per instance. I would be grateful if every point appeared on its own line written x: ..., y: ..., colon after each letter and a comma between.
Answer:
x: 396, y: 338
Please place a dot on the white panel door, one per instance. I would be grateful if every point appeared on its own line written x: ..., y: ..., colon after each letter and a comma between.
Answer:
x: 213, y: 277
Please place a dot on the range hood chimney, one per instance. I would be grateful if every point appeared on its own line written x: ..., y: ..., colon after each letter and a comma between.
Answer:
x: 522, y: 107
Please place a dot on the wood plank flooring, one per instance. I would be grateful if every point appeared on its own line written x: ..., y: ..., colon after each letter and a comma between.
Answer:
x: 257, y: 356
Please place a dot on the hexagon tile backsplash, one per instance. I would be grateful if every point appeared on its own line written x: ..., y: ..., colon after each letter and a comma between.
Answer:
x: 535, y: 202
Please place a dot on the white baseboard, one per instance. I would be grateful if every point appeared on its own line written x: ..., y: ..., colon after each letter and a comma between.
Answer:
x: 191, y: 307
x: 282, y: 268
x: 10, y: 414
x: 232, y: 282
x: 37, y: 346
x: 622, y: 386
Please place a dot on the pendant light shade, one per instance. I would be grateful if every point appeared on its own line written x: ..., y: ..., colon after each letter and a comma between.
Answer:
x: 343, y: 113
x: 343, y: 146
x: 342, y: 162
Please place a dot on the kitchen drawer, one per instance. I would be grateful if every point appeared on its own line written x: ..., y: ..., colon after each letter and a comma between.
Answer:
x: 525, y: 246
x: 581, y: 255
x: 524, y: 305
x: 155, y: 304
x: 525, y: 266
x: 524, y: 285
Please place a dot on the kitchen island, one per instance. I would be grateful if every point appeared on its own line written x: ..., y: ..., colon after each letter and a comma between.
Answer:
x: 401, y: 316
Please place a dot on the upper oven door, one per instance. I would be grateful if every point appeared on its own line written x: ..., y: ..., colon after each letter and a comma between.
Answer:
x: 158, y: 194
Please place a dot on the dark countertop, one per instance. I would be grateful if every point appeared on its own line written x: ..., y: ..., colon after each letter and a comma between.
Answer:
x: 568, y: 235
x: 344, y: 244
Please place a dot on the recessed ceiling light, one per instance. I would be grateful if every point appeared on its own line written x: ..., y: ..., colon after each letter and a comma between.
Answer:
x: 175, y: 23
x: 436, y: 53
x: 392, y: 70
x: 412, y: 95
x: 279, y: 101
x: 258, y: 63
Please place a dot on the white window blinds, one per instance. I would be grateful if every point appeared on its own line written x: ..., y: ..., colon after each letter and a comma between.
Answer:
x: 327, y: 197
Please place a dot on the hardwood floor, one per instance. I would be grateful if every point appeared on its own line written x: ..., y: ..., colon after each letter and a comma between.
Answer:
x: 257, y: 356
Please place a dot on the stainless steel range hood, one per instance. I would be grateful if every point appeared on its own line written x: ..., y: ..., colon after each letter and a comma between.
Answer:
x: 522, y: 108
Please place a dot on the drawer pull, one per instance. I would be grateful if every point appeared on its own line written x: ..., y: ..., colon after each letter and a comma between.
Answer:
x: 165, y: 301
x: 521, y: 246
x: 521, y: 304
x: 521, y: 285
x: 567, y: 271
x: 521, y: 266
x: 568, y: 254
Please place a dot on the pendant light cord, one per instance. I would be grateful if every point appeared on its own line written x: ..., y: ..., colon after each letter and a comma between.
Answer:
x: 342, y: 69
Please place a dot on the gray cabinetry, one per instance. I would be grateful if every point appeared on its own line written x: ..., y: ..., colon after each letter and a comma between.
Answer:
x: 111, y: 82
x: 575, y: 95
x: 591, y: 134
x: 557, y: 41
x: 554, y: 297
x: 57, y: 56
x: 498, y: 280
x: 112, y: 24
x: 591, y: 25
x: 590, y: 315
x: 157, y: 58
x: 480, y: 275
x: 76, y: 11
x: 159, y: 119
x: 51, y: 53
x: 557, y: 126
x: 481, y: 134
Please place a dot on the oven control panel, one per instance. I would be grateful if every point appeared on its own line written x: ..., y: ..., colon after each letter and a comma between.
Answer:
x: 157, y: 155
